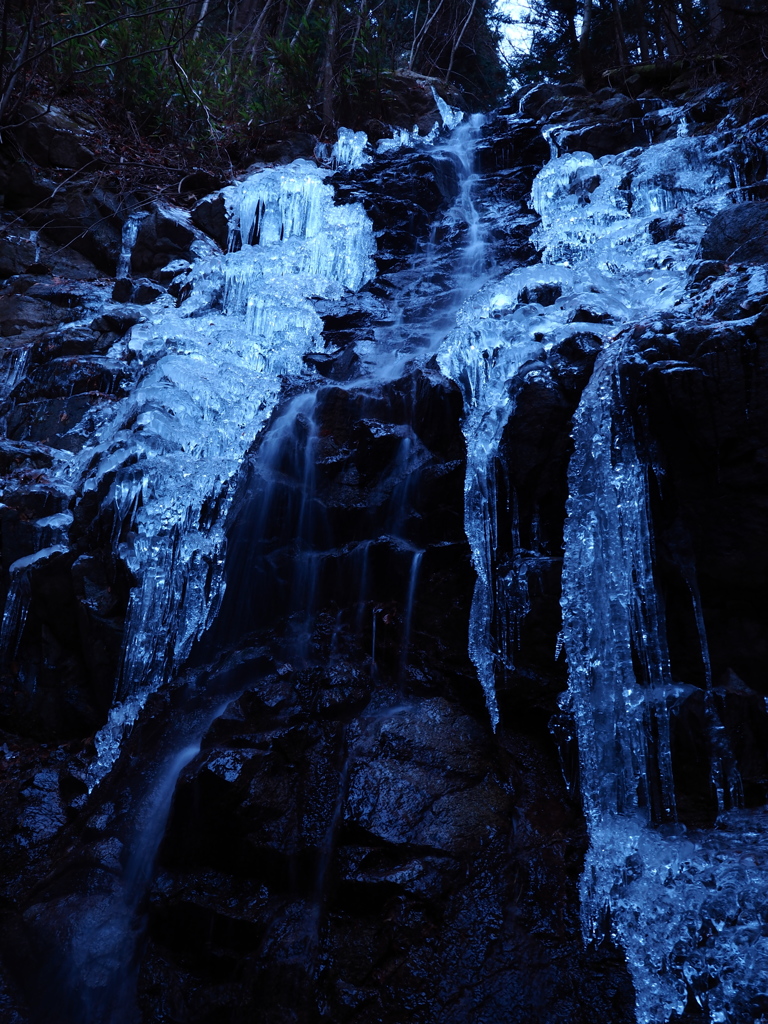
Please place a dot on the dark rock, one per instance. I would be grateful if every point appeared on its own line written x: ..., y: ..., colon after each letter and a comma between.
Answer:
x: 711, y: 105
x: 571, y: 360
x: 339, y: 366
x: 211, y: 215
x: 119, y: 318
x: 16, y: 254
x: 200, y: 183
x: 23, y: 189
x: 167, y: 275
x: 417, y: 777
x: 510, y: 142
x: 602, y: 138
x: 20, y: 312
x: 704, y: 270
x: 164, y: 235
x: 295, y: 146
x: 663, y: 228
x: 50, y: 138
x: 738, y: 234
x: 400, y: 195
x: 91, y: 223
x: 545, y: 294
x: 49, y: 420
x: 64, y: 377
x: 403, y: 100
x: 531, y: 102
x: 64, y: 295
x: 122, y: 290
x: 590, y: 314
x: 145, y: 291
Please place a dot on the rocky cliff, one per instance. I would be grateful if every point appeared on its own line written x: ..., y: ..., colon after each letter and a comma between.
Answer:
x: 350, y: 789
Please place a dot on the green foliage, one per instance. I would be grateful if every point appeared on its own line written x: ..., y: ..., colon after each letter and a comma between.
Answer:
x: 151, y: 62
x: 208, y: 72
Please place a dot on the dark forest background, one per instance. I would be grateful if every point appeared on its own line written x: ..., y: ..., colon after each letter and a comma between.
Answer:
x: 212, y: 72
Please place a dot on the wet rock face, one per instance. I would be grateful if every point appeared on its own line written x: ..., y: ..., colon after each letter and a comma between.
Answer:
x: 354, y: 843
x: 531, y: 477
x: 51, y: 138
x: 738, y: 235
x: 699, y: 393
x: 401, y: 195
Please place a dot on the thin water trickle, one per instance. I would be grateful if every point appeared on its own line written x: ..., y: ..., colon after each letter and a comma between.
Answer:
x: 410, y: 602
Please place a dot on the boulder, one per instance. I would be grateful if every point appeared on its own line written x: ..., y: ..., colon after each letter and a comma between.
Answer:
x: 24, y: 189
x: 602, y: 138
x: 89, y: 222
x: 164, y: 235
x: 16, y: 254
x: 50, y: 138
x: 531, y: 103
x: 738, y: 234
x: 211, y: 215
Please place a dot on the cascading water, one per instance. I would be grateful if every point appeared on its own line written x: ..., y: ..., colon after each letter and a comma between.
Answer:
x: 212, y: 376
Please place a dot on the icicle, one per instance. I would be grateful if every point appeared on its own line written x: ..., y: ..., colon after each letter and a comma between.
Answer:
x: 13, y: 367
x: 450, y: 116
x: 130, y: 234
x: 212, y: 378
x: 17, y: 603
x: 612, y: 628
x: 349, y: 152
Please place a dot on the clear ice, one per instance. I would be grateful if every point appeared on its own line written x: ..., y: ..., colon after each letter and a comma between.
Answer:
x: 688, y: 909
x: 211, y: 375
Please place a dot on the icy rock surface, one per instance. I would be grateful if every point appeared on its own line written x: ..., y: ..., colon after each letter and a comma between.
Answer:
x: 599, y: 254
x: 617, y: 235
x: 211, y: 376
x: 688, y: 910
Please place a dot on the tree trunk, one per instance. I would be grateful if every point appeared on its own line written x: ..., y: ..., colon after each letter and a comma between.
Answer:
x: 362, y: 15
x: 200, y: 18
x: 715, y: 18
x: 585, y: 61
x: 642, y: 33
x: 671, y: 28
x: 622, y: 56
x: 305, y: 16
x: 457, y: 40
x: 328, y: 64
x: 258, y: 28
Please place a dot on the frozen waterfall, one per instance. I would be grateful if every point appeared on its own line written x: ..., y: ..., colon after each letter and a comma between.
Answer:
x: 685, y: 908
x: 212, y: 375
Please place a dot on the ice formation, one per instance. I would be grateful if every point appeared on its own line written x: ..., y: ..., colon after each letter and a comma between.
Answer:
x: 687, y: 909
x: 349, y: 152
x: 450, y: 118
x: 211, y: 376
